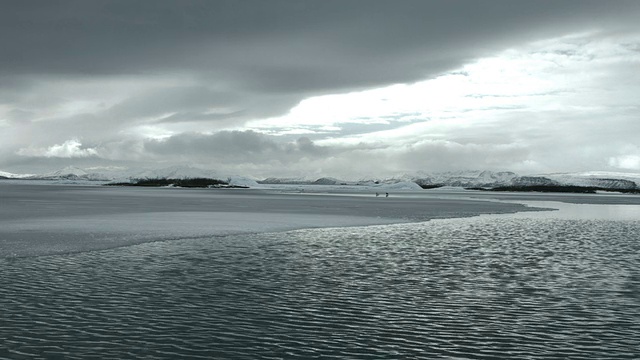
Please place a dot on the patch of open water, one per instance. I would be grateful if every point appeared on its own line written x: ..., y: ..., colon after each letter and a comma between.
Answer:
x: 552, y: 285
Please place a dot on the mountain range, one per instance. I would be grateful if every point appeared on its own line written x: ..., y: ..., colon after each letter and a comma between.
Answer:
x: 467, y: 179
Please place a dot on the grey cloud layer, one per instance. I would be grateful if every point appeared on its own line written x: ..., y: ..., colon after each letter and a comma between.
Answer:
x: 277, y: 46
x: 222, y: 63
x: 234, y: 147
x: 242, y: 151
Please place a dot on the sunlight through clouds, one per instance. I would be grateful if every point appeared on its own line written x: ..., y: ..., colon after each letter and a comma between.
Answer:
x: 549, y: 77
x: 572, y: 92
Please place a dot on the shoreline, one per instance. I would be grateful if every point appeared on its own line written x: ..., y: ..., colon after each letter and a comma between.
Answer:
x: 60, y: 219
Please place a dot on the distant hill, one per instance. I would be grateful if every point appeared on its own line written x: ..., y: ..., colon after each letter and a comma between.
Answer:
x: 624, y: 182
x: 8, y: 175
x: 182, y: 182
x: 465, y: 178
x: 610, y: 181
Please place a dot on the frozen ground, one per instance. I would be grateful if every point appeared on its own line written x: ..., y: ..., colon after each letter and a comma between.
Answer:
x: 43, y: 219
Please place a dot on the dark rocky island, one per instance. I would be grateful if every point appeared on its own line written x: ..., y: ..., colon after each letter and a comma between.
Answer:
x: 186, y: 183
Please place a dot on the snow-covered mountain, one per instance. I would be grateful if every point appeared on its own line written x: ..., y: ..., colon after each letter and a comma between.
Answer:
x: 72, y: 173
x: 467, y: 179
x: 288, y: 181
x: 68, y: 173
x: 608, y: 180
x: 534, y: 181
x: 174, y: 172
x: 242, y: 181
x: 8, y: 175
x: 488, y: 179
x: 117, y: 174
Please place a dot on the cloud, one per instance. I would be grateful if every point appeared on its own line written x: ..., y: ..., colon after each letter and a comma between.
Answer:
x: 372, y: 85
x: 270, y: 55
x: 69, y: 149
x: 257, y: 154
x: 627, y: 161
x: 232, y: 147
x: 18, y: 116
x: 154, y: 102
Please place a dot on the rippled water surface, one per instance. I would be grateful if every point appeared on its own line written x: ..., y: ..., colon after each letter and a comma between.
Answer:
x: 486, y: 287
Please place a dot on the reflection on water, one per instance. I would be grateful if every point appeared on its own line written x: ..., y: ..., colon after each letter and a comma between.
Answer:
x: 514, y: 286
x: 582, y: 211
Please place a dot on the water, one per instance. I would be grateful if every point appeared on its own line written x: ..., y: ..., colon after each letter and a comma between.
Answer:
x: 547, y: 285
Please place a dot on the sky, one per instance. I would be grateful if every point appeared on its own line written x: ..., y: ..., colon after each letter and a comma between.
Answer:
x: 301, y: 88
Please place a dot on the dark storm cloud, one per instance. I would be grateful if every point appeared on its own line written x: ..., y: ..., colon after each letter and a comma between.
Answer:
x: 284, y: 46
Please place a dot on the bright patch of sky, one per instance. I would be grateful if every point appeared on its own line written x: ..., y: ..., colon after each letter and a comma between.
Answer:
x: 581, y: 75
